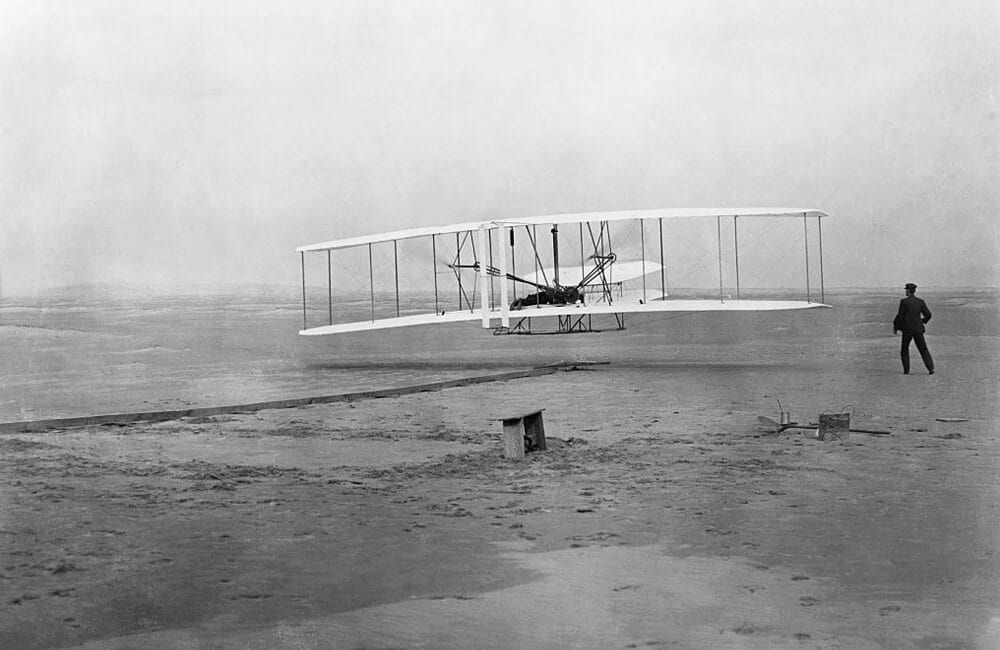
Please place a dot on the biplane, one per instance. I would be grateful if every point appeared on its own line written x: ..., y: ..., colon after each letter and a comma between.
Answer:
x: 505, y: 274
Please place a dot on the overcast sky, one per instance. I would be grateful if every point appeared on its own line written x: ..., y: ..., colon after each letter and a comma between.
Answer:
x: 173, y: 142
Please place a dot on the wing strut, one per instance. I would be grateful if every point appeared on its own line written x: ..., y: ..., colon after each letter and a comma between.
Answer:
x: 718, y: 227
x: 805, y: 237
x: 663, y: 266
x: 484, y: 297
x: 822, y: 288
x: 534, y: 247
x: 493, y: 291
x: 513, y: 261
x: 371, y: 279
x: 395, y: 268
x: 555, y: 255
x: 458, y: 276
x: 437, y: 307
x: 303, y: 289
x: 736, y: 250
x: 504, y: 304
x: 642, y: 248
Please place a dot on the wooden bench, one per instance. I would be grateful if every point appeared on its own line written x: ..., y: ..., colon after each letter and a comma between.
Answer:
x: 523, y: 433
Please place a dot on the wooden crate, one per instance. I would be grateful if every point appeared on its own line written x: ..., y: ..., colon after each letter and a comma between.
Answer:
x: 523, y: 433
x: 834, y: 426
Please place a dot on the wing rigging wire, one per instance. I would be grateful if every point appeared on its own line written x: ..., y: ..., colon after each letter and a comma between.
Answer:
x: 532, y: 233
x: 457, y: 266
x: 696, y: 265
x: 413, y: 257
x: 769, y: 270
x: 598, y: 244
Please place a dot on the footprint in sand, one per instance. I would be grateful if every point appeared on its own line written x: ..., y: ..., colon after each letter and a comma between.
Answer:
x: 251, y: 596
x: 888, y: 609
x: 807, y: 601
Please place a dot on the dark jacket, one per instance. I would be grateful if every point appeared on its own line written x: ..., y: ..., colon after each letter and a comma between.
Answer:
x: 913, y: 313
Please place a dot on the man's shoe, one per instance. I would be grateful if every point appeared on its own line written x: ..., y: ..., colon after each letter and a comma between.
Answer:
x: 931, y: 372
x: 906, y: 372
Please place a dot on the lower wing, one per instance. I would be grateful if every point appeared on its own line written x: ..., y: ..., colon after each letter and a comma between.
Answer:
x: 552, y: 311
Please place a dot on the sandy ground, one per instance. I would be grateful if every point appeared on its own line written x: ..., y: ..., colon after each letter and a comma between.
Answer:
x: 662, y: 515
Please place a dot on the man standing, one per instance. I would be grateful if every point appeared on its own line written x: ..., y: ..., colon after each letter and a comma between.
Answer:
x: 913, y: 313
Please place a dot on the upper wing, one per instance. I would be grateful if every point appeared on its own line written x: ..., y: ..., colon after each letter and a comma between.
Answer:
x: 556, y: 219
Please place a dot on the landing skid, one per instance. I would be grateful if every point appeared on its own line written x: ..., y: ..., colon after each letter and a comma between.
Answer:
x: 567, y: 325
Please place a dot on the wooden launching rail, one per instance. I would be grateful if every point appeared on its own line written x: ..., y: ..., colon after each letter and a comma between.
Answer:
x: 162, y: 416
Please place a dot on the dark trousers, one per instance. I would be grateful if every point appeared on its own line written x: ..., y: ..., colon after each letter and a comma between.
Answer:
x: 904, y: 351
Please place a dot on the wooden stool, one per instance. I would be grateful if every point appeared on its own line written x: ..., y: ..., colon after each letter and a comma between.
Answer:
x: 523, y: 433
